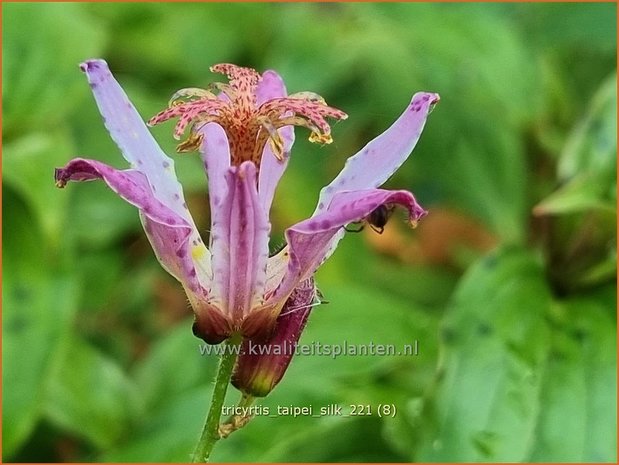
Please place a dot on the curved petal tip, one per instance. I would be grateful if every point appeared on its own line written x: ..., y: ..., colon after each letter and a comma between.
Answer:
x: 93, y: 64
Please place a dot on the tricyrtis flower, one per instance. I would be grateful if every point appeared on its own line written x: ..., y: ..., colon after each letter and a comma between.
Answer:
x: 244, y: 134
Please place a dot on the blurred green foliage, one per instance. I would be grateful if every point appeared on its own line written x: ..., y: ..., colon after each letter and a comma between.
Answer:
x: 508, y: 284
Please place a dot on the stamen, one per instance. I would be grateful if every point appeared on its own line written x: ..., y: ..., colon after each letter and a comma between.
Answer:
x: 190, y: 93
x: 192, y: 143
x: 312, y: 110
x: 316, y: 134
x: 188, y: 111
x: 318, y: 138
x: 308, y: 96
x: 248, y: 127
x: 276, y: 141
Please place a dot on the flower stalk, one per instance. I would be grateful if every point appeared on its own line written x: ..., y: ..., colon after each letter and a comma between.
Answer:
x: 211, y: 433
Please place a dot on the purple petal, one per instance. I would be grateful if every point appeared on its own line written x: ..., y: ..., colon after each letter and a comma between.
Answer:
x: 272, y: 169
x: 312, y: 241
x: 182, y: 253
x: 174, y: 239
x: 381, y: 157
x: 270, y: 87
x: 262, y: 365
x: 215, y: 153
x: 133, y: 138
x: 260, y: 321
x: 240, y: 244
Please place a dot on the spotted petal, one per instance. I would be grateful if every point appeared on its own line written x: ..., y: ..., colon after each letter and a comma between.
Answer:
x: 180, y: 251
x: 381, y: 157
x: 240, y: 244
x: 310, y: 241
x: 132, y: 136
x: 171, y: 235
x: 215, y: 153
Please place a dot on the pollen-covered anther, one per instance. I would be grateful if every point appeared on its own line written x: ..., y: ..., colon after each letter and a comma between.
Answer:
x: 275, y: 139
x: 188, y: 94
x: 319, y: 138
x: 309, y: 96
x: 191, y: 144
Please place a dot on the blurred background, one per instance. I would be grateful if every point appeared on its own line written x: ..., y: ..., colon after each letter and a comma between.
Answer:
x: 508, y: 285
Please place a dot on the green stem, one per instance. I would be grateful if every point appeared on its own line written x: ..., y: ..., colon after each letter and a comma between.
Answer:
x: 210, y: 433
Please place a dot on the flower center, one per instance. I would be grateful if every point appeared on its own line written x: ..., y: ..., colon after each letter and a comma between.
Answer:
x: 249, y: 126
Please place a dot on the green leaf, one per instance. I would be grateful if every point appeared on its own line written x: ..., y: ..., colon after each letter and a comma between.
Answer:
x: 592, y: 146
x: 588, y: 163
x: 38, y: 305
x: 585, y: 205
x: 495, y: 339
x: 579, y: 419
x: 582, y: 194
x: 602, y: 272
x: 522, y: 378
x: 91, y: 397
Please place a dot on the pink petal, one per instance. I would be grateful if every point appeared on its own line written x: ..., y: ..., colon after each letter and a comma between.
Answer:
x: 381, y: 157
x: 272, y: 86
x: 215, y: 153
x: 174, y: 239
x: 240, y: 244
x: 133, y: 138
x: 312, y: 241
x: 178, y: 252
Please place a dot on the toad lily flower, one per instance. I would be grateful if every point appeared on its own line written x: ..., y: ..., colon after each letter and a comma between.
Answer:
x: 244, y: 131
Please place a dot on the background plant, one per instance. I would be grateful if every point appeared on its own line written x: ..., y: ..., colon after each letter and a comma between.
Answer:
x: 508, y: 284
